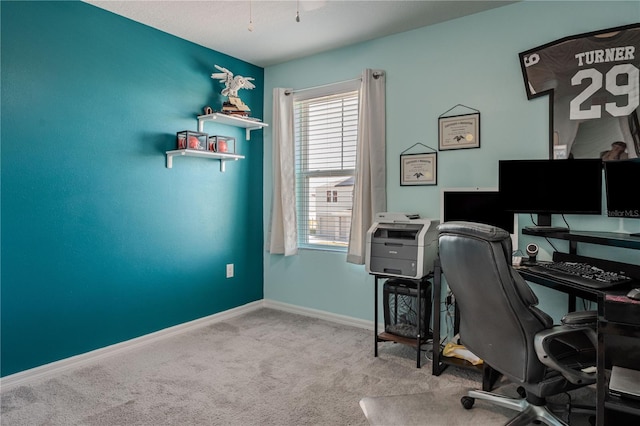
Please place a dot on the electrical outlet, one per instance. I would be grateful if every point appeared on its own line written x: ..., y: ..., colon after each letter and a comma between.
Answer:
x: 229, y: 270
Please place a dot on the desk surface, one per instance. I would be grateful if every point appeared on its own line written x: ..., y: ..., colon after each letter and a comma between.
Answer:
x: 613, y: 305
x: 614, y: 239
x: 565, y: 286
x: 619, y: 308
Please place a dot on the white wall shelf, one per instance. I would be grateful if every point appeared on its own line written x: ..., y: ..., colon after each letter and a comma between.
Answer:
x: 231, y: 120
x: 223, y: 157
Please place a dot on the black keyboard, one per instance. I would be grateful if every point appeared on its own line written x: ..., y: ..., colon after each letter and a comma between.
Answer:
x: 582, y: 274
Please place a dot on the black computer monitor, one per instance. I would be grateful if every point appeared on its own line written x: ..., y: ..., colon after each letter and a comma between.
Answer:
x: 621, y: 179
x: 546, y: 187
x: 476, y: 205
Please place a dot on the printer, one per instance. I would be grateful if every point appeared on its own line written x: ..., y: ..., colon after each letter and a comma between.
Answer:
x: 401, y: 245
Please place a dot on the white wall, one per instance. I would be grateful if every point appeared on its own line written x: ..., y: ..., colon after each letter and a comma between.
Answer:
x: 471, y: 61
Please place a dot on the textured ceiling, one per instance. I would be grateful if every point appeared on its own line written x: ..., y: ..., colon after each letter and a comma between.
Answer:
x: 276, y: 36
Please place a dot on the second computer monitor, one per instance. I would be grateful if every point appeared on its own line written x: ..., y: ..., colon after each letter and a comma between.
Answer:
x: 547, y: 187
x: 621, y: 179
x: 482, y: 205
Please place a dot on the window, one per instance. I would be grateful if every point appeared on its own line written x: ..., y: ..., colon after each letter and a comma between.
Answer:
x: 334, y: 198
x: 326, y: 129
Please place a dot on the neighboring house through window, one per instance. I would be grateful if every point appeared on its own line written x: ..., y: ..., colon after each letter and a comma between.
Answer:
x: 326, y: 127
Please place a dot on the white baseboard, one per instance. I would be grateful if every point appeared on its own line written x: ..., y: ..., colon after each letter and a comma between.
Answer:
x: 26, y: 376
x: 57, y: 367
x: 315, y: 313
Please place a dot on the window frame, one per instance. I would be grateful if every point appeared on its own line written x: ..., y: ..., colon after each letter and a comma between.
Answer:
x: 303, y: 213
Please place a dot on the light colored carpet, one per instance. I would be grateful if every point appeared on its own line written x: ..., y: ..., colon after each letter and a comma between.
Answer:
x: 265, y: 367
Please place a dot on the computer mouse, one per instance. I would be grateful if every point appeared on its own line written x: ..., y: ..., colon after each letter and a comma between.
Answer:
x: 634, y: 294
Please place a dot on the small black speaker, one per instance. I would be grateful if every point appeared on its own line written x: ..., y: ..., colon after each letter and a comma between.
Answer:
x: 532, y: 251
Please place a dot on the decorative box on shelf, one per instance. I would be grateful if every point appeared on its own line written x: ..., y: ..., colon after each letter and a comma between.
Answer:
x: 225, y: 144
x: 188, y: 139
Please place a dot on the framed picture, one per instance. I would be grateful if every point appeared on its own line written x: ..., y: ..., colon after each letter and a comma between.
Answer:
x: 459, y: 132
x: 419, y: 169
x: 592, y: 114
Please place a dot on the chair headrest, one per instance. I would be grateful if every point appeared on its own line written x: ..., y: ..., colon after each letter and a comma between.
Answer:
x: 473, y: 229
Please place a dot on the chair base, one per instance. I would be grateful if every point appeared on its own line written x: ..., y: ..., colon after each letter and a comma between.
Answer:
x: 527, y: 412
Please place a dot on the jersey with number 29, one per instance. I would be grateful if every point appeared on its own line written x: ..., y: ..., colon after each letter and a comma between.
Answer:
x: 592, y: 77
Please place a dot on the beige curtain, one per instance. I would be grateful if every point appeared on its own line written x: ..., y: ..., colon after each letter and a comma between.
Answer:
x: 283, y: 236
x: 369, y: 193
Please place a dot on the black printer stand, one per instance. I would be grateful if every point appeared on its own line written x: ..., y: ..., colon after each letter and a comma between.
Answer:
x: 422, y: 335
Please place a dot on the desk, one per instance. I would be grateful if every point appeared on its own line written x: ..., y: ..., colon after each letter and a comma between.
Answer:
x: 606, y: 404
x: 611, y: 239
x: 620, y: 320
x: 614, y: 319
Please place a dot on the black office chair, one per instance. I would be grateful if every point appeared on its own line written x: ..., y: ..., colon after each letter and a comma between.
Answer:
x: 499, y: 322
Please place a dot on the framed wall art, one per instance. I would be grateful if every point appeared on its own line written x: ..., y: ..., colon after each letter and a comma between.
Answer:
x: 419, y: 169
x: 459, y: 131
x: 593, y: 90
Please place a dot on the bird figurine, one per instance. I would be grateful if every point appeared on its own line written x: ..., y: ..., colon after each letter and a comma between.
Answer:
x: 232, y: 84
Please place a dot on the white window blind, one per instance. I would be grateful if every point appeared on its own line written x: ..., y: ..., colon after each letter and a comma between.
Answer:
x: 326, y: 130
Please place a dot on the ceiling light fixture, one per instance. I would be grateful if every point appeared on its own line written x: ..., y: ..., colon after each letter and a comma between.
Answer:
x: 250, y: 27
x: 298, y: 11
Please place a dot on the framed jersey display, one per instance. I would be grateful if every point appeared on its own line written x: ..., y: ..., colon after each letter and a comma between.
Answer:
x: 593, y: 84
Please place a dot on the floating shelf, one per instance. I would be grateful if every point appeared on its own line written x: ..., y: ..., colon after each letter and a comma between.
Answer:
x: 223, y: 157
x: 231, y: 120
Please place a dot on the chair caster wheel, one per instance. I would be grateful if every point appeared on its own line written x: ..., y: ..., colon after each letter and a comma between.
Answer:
x: 522, y: 392
x: 467, y: 402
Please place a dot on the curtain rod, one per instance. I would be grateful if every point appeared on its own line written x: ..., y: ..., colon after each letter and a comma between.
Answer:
x: 376, y: 75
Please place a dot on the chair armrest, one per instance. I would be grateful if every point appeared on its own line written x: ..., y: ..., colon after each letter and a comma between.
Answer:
x: 568, y: 350
x: 580, y: 318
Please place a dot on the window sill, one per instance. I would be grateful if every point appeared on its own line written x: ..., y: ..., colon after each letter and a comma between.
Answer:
x: 324, y: 249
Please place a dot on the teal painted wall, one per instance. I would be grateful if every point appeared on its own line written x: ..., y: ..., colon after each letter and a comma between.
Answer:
x: 100, y: 242
x: 471, y: 61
